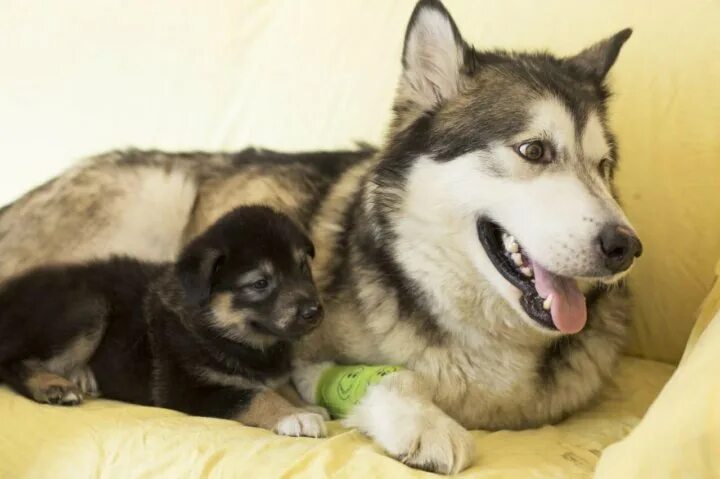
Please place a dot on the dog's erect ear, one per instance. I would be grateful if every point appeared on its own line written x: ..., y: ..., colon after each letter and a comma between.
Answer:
x: 196, y: 269
x: 432, y: 56
x: 597, y: 60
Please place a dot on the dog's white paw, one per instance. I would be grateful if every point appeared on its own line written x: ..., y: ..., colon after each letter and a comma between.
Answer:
x: 414, y: 430
x: 445, y: 448
x: 305, y: 377
x: 307, y: 424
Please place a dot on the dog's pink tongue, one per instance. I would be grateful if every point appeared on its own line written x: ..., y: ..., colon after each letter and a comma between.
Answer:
x: 568, y: 310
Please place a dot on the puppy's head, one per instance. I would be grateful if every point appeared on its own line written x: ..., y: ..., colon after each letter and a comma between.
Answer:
x: 250, y: 272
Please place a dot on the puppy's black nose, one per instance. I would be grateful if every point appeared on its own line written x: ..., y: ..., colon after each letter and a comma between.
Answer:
x: 310, y: 312
x: 619, y: 246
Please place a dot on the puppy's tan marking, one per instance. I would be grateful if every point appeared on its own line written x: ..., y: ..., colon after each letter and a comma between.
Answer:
x: 291, y: 394
x: 235, y: 322
x: 269, y: 410
x: 265, y: 410
x: 51, y: 388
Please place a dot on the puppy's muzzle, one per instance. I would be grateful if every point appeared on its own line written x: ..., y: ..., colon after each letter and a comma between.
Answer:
x: 307, y: 315
x: 310, y: 312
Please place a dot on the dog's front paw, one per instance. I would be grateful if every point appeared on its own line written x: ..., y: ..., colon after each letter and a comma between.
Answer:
x: 301, y: 423
x: 414, y: 430
x: 444, y: 448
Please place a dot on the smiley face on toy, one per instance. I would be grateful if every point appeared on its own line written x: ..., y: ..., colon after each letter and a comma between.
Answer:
x: 347, y: 383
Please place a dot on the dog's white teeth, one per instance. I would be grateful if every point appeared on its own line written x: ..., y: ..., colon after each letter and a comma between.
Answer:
x: 526, y: 271
x: 510, y: 244
x: 517, y: 259
x: 547, y: 303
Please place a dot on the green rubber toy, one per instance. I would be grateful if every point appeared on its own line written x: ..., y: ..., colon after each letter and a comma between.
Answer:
x: 341, y: 387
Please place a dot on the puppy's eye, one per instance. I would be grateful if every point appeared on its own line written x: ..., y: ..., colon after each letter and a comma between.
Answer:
x: 534, y: 151
x: 260, y: 284
x: 304, y: 267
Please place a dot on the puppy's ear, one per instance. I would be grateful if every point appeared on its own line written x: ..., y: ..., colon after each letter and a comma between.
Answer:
x: 596, y: 60
x: 196, y: 270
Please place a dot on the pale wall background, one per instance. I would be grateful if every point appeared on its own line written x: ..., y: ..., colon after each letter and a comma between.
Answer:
x: 81, y: 76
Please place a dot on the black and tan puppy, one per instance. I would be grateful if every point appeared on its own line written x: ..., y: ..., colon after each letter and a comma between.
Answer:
x: 209, y: 335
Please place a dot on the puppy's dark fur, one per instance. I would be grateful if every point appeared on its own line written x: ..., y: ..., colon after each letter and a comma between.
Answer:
x: 209, y: 335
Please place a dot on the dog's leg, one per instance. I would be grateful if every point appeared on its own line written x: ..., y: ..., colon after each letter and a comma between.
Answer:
x: 269, y: 410
x: 305, y: 377
x: 37, y: 383
x: 399, y: 414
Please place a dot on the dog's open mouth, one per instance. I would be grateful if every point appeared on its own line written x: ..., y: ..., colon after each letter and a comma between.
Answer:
x: 553, y: 301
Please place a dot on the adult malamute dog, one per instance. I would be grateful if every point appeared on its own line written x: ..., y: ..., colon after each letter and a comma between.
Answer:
x: 475, y: 248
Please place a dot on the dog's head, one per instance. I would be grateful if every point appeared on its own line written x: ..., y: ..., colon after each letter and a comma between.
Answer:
x: 507, y: 157
x: 250, y: 272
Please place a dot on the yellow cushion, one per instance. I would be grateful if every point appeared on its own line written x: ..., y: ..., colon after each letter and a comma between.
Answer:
x: 680, y: 435
x: 708, y: 311
x: 115, y: 440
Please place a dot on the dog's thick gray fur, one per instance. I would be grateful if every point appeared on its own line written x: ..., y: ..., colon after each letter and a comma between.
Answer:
x: 403, y: 275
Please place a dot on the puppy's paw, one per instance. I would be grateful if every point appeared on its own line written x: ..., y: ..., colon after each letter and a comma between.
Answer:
x: 318, y: 410
x: 61, y: 392
x: 84, y: 379
x: 301, y: 423
x: 305, y: 377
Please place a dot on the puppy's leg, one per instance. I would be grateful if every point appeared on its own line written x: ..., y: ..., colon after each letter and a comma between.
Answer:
x: 269, y: 410
x: 35, y: 382
x: 291, y: 394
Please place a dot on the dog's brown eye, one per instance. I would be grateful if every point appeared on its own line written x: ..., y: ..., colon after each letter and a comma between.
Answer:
x: 260, y: 284
x: 533, y: 151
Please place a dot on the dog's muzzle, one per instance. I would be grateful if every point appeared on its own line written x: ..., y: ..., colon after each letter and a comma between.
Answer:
x: 619, y: 247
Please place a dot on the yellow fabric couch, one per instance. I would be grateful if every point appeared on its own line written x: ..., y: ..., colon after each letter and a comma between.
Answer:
x: 117, y: 441
x: 219, y: 62
x: 680, y: 434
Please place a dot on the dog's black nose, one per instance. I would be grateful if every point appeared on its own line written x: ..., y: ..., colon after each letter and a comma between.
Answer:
x: 619, y: 246
x: 310, y: 312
